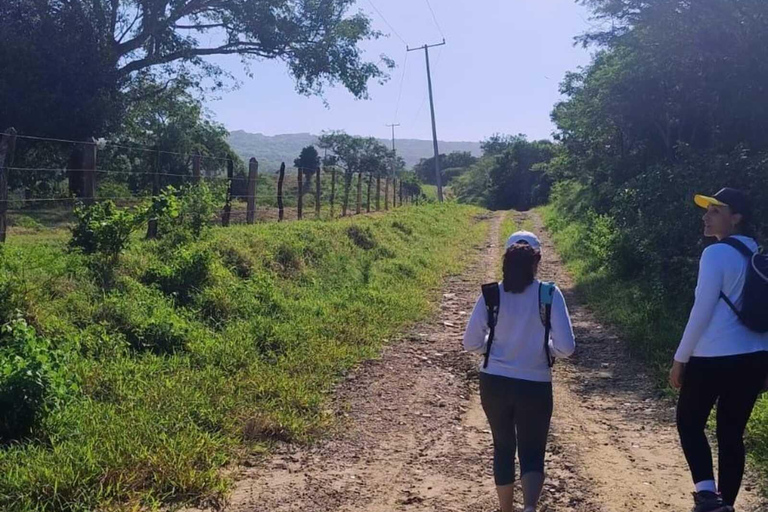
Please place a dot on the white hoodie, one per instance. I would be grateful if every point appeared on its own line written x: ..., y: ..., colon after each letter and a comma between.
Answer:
x: 517, y: 350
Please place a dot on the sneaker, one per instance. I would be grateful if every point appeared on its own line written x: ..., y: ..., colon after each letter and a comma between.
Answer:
x: 706, y: 501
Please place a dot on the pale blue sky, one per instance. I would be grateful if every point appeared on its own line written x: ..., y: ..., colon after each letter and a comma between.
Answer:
x: 499, y: 72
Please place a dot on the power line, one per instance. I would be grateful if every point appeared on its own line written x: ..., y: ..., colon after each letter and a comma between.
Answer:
x: 426, y: 93
x: 387, y: 22
x: 435, y: 19
x: 402, y: 81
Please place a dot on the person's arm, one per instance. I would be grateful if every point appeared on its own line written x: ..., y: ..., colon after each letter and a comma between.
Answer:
x: 477, y: 328
x: 708, y: 288
x: 710, y: 283
x: 562, y: 342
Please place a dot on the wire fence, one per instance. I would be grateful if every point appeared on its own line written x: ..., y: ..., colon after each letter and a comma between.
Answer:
x: 43, y: 179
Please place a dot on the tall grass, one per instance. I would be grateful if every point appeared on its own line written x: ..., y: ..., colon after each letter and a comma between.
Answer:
x: 200, y: 353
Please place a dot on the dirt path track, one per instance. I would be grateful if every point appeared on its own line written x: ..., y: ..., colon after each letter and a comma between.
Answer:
x: 413, y: 436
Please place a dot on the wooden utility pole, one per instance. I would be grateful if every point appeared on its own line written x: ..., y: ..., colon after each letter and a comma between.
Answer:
x: 438, y: 178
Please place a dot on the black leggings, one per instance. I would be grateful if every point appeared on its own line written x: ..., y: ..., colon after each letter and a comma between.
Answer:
x: 734, y: 382
x: 519, y: 412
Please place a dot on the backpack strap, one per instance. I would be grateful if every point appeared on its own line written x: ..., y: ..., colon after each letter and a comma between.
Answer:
x: 747, y: 253
x: 492, y: 302
x: 546, y: 298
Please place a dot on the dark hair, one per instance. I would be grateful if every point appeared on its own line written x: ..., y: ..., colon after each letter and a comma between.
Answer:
x: 520, y: 263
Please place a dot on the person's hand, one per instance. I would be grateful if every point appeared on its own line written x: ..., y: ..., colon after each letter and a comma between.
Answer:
x: 676, y: 375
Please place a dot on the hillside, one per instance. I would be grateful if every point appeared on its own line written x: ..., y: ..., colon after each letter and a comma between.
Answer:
x: 271, y: 150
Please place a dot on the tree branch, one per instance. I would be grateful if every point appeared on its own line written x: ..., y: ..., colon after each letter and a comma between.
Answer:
x: 239, y: 47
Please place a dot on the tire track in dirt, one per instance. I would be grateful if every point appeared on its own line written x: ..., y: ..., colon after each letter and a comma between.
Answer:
x: 412, y: 435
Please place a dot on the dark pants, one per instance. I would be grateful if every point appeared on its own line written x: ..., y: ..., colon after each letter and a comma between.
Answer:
x: 519, y: 412
x: 734, y: 382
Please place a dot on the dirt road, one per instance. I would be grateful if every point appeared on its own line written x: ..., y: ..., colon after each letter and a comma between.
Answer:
x: 412, y: 435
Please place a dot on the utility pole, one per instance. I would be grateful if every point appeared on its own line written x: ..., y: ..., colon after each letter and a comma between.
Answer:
x: 394, y: 151
x: 438, y: 178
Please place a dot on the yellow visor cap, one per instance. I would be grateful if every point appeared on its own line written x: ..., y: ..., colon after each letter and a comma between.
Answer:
x: 706, y: 201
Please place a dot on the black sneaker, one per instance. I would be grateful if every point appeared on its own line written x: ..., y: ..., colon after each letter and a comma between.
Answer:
x: 706, y: 501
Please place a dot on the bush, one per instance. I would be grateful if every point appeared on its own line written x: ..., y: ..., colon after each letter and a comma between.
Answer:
x: 182, y: 273
x: 30, y: 377
x: 104, y: 229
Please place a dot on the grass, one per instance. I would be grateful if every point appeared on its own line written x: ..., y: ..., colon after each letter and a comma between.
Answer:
x: 651, y: 321
x: 201, y: 353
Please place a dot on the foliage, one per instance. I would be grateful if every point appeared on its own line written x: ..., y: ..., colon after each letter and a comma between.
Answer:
x: 47, y: 47
x: 104, y: 229
x: 185, y: 214
x: 31, y: 379
x: 307, y: 163
x: 425, y: 169
x: 671, y: 105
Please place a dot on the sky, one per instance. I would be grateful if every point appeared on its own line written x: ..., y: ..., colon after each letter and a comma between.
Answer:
x: 498, y: 73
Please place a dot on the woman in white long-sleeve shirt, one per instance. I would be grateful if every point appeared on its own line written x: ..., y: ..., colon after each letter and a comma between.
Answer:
x: 516, y: 383
x: 719, y: 359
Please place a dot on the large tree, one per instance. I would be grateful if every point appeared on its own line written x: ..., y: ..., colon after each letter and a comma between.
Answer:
x: 425, y: 169
x: 66, y: 64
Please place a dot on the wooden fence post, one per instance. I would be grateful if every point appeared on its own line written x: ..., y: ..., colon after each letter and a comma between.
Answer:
x: 318, y: 191
x: 370, y: 183
x: 300, y: 177
x: 89, y: 171
x: 401, y: 192
x: 7, y: 153
x: 196, y: 162
x: 378, y: 192
x: 253, y: 175
x: 227, y: 213
x: 280, y: 208
x: 333, y: 188
x: 152, y: 226
x: 359, y: 192
x: 386, y: 193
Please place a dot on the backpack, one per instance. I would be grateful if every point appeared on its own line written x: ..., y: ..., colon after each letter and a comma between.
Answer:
x: 492, y: 297
x: 754, y: 308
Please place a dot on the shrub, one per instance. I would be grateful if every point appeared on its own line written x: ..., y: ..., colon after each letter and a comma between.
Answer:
x: 29, y: 377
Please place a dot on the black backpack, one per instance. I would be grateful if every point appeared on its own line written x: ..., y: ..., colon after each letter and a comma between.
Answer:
x: 754, y: 307
x: 492, y: 297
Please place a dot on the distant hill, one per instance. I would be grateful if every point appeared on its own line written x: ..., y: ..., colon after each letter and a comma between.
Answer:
x: 270, y: 151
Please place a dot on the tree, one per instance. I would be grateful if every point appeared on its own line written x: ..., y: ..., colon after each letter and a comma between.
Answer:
x: 307, y: 163
x: 355, y: 155
x: 425, y: 169
x: 48, y: 47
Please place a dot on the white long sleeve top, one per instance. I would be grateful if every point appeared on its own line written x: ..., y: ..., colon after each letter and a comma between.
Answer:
x: 713, y: 329
x: 517, y: 350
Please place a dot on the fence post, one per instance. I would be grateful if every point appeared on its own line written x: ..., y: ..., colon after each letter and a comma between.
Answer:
x: 378, y: 192
x: 196, y: 162
x: 89, y: 171
x: 317, y: 192
x: 281, y: 177
x: 253, y: 175
x: 359, y: 192
x: 333, y: 188
x: 227, y: 214
x: 152, y: 226
x: 300, y: 177
x: 401, y: 192
x: 368, y: 203
x: 7, y: 153
x: 386, y: 193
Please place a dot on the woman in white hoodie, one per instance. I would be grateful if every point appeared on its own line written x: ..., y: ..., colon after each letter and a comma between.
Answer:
x: 719, y: 359
x: 516, y: 377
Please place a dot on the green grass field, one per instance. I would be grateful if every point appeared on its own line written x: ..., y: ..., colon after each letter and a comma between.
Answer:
x: 196, y: 354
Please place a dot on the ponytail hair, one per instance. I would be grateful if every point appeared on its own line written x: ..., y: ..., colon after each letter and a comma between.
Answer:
x: 520, y: 264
